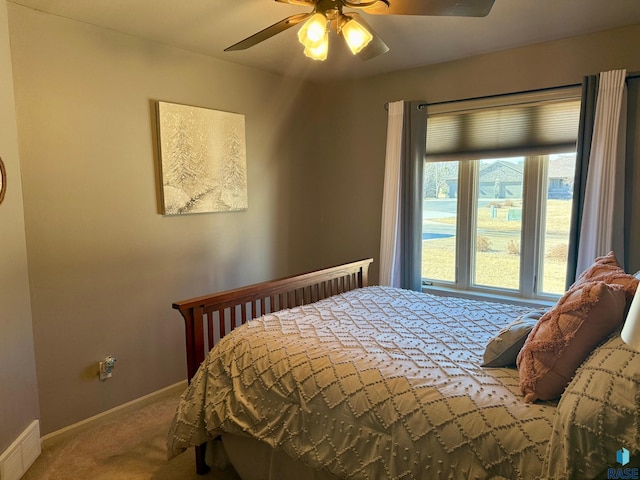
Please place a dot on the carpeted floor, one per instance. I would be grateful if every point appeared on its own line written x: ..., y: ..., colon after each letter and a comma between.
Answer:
x: 124, y: 446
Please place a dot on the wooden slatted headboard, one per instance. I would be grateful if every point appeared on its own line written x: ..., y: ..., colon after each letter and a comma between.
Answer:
x: 210, y: 317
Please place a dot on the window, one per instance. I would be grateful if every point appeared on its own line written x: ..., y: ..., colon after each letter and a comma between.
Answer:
x: 497, y: 201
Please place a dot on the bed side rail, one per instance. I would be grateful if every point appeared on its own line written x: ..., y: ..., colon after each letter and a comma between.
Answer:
x: 209, y: 318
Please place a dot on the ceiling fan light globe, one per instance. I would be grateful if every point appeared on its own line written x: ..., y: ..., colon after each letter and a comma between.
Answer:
x: 356, y: 36
x: 313, y: 31
x: 320, y: 51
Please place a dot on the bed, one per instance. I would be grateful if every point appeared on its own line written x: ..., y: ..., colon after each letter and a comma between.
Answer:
x: 323, y: 376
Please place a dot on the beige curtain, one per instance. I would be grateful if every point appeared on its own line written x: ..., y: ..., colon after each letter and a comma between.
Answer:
x: 602, y: 228
x: 390, y: 234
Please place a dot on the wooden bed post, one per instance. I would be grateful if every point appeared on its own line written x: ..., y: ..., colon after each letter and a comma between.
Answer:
x: 201, y: 466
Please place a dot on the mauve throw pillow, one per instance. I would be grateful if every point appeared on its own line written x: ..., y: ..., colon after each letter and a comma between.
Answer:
x: 565, y: 335
x: 607, y: 269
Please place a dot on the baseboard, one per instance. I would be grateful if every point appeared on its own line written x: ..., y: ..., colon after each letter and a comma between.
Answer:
x: 52, y: 438
x: 21, y: 454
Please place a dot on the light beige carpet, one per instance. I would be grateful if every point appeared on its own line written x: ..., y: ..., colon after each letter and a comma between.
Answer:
x: 123, y: 446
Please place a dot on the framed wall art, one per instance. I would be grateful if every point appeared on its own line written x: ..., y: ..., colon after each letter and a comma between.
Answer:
x: 203, y: 164
x: 3, y: 180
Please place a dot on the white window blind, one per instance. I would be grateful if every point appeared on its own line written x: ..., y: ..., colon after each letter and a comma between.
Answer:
x: 535, y: 123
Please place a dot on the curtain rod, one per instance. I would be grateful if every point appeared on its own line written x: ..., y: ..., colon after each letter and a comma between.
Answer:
x: 422, y: 106
x: 498, y: 95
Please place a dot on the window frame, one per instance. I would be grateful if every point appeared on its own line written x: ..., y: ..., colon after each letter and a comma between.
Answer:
x: 535, y: 192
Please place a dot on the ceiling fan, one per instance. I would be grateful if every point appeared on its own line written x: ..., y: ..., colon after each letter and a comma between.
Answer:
x: 351, y: 26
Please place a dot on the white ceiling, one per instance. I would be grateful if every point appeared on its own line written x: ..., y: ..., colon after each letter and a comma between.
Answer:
x: 209, y: 26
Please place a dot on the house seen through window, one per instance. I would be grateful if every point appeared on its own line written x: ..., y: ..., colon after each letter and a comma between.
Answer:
x: 497, y: 194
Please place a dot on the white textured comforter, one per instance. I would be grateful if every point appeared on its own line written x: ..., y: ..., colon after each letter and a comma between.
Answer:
x: 377, y: 383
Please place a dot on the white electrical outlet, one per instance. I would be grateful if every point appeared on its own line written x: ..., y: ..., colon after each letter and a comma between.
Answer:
x: 106, y: 367
x: 103, y: 373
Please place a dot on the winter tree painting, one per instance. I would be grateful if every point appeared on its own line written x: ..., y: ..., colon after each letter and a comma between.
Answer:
x: 203, y: 160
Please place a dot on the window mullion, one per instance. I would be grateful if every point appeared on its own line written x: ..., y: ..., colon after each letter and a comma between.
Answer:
x: 465, y: 245
x: 534, y: 177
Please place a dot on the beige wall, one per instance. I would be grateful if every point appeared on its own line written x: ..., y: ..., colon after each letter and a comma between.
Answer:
x: 19, y: 394
x: 353, y: 211
x: 104, y: 266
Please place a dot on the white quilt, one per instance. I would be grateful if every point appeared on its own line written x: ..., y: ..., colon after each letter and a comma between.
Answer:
x: 377, y: 383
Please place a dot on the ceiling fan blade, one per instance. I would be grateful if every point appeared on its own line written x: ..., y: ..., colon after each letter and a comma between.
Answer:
x: 304, y: 3
x: 459, y: 8
x: 269, y: 32
x: 376, y: 46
